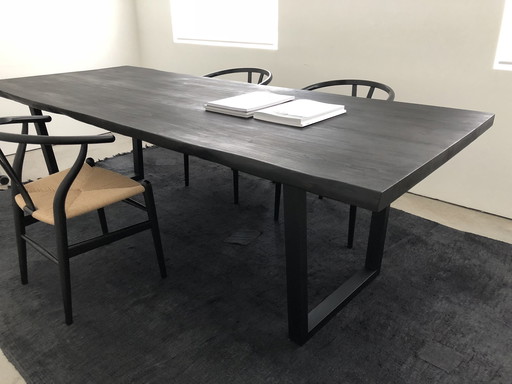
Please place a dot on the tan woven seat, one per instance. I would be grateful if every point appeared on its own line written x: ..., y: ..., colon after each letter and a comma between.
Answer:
x: 93, y: 188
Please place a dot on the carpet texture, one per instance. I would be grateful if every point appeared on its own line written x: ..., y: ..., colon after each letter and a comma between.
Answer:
x: 440, y: 311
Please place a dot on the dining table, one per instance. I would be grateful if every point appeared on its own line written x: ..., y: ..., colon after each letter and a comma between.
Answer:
x: 368, y: 157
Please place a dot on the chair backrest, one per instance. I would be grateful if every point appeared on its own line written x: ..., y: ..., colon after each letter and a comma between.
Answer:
x: 14, y: 172
x: 261, y: 76
x: 370, y: 85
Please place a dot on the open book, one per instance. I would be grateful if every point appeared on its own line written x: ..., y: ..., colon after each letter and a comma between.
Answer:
x: 246, y: 104
x: 300, y: 113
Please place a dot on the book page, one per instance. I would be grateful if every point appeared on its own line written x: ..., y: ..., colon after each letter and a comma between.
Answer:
x: 303, y: 109
x: 252, y: 101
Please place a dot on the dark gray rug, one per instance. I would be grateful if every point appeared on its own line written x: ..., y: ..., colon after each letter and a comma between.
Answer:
x: 440, y: 312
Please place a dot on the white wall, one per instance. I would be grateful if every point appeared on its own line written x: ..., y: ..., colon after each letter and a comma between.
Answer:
x: 435, y: 52
x: 40, y: 37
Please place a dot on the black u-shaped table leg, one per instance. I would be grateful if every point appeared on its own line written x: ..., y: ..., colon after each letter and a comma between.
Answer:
x: 302, y: 323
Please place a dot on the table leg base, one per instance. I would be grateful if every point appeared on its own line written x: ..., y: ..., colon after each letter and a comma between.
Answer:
x: 323, y: 312
x: 302, y: 323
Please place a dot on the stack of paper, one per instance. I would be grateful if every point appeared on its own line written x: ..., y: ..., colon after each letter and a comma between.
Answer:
x: 300, y: 113
x: 245, y: 105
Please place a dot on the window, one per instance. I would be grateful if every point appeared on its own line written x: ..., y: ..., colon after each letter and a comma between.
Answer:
x: 237, y: 23
x: 504, y: 51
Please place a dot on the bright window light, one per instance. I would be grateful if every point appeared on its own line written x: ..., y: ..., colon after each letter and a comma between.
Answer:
x: 503, y: 58
x: 237, y: 23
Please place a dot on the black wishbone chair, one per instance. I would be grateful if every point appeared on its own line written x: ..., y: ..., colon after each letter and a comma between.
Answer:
x: 251, y: 75
x: 355, y: 85
x: 62, y: 195
x: 247, y: 74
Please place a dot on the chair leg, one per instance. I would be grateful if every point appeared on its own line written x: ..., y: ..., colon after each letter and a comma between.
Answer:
x: 235, y: 186
x: 103, y: 221
x: 277, y: 201
x: 351, y: 225
x: 19, y: 227
x: 155, y: 230
x: 185, y: 169
x: 64, y: 271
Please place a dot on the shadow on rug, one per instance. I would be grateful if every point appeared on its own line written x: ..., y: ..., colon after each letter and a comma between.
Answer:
x: 440, y: 311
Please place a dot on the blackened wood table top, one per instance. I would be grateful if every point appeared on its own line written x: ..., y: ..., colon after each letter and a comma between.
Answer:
x: 367, y: 157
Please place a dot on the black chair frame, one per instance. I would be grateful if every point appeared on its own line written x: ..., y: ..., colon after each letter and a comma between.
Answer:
x: 254, y: 75
x: 264, y: 76
x: 23, y: 219
x: 355, y: 84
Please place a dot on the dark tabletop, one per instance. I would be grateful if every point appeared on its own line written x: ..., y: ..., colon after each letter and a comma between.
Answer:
x: 368, y: 157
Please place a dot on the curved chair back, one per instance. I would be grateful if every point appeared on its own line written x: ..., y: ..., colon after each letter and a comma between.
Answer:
x: 261, y: 76
x: 370, y: 85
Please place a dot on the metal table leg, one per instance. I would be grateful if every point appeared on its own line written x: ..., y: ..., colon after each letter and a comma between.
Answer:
x: 48, y: 154
x: 302, y: 323
x: 138, y: 162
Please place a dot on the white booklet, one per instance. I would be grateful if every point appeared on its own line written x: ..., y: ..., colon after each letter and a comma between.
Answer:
x: 300, y: 113
x: 246, y: 104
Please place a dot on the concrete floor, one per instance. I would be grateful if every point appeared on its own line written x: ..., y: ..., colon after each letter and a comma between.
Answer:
x: 447, y: 214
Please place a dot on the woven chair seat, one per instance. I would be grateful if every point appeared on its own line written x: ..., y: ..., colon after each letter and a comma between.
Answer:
x: 93, y: 188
